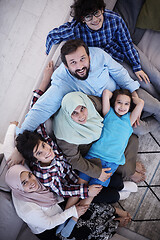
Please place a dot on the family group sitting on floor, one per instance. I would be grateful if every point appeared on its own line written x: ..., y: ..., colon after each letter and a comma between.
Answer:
x: 70, y: 179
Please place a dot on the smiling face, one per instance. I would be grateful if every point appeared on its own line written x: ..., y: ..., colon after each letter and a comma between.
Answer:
x: 78, y: 63
x: 29, y: 182
x: 95, y: 20
x: 122, y: 105
x: 43, y: 153
x: 80, y: 114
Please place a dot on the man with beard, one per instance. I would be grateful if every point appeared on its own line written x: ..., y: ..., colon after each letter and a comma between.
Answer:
x: 89, y: 70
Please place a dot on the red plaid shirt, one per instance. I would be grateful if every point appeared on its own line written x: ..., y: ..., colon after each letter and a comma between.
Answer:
x: 59, y: 175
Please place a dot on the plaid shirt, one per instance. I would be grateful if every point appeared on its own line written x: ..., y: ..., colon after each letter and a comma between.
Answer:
x: 113, y: 37
x: 59, y: 175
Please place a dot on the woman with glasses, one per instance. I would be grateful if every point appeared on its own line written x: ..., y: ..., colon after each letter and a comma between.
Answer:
x: 99, y: 27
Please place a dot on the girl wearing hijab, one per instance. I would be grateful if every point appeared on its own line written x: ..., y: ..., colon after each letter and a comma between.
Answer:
x: 40, y: 209
x: 36, y: 205
x: 76, y: 137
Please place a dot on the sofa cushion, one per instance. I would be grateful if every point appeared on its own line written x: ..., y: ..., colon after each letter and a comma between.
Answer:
x: 10, y: 223
x: 149, y: 17
x: 3, y: 170
x: 26, y: 234
x: 149, y: 45
x: 110, y: 4
x: 129, y: 11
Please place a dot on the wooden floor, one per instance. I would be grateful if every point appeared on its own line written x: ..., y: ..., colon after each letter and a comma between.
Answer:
x: 23, y: 29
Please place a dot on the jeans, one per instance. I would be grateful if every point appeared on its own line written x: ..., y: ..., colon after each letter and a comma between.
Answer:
x: 150, y: 115
x: 154, y: 75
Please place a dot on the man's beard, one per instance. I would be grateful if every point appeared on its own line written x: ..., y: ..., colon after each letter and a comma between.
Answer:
x: 75, y: 74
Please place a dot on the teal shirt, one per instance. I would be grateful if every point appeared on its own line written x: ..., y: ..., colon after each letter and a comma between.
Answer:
x: 114, y: 139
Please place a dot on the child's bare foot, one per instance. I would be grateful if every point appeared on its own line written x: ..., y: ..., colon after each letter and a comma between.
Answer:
x: 138, y: 177
x: 123, y: 216
x: 140, y: 168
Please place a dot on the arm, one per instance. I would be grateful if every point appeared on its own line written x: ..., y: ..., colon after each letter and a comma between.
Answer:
x: 36, y: 217
x: 60, y: 178
x: 137, y: 110
x: 130, y: 51
x: 57, y: 35
x: 16, y: 157
x: 120, y: 75
x: 43, y: 109
x: 106, y: 96
x: 9, y: 143
x: 127, y: 46
x: 11, y: 153
x: 91, y: 167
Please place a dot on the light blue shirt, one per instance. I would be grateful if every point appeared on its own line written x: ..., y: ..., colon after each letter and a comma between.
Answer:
x: 105, y: 73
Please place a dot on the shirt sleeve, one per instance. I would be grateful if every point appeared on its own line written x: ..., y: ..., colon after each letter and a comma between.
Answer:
x: 35, y: 217
x: 125, y: 41
x: 9, y: 141
x: 120, y: 75
x: 43, y: 109
x: 63, y: 186
x: 57, y: 35
x: 91, y: 167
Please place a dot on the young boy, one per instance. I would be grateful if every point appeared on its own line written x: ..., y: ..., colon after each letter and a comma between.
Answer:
x: 99, y: 27
x: 50, y: 167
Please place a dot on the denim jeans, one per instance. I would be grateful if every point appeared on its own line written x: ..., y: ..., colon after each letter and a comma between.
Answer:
x: 150, y: 119
x: 154, y: 75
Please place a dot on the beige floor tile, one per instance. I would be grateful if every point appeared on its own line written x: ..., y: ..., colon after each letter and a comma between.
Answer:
x: 8, y: 12
x: 34, y: 7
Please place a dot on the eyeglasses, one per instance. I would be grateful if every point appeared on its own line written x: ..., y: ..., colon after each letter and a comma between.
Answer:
x: 89, y: 17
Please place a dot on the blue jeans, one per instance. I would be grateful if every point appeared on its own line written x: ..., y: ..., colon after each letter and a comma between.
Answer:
x: 153, y: 88
x: 150, y: 115
x: 92, y: 181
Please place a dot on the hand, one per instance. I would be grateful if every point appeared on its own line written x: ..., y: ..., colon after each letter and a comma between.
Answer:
x: 15, y: 123
x: 104, y: 176
x: 142, y: 76
x: 107, y: 93
x: 94, y: 190
x: 81, y: 209
x: 48, y: 71
x: 136, y: 123
x: 15, y: 158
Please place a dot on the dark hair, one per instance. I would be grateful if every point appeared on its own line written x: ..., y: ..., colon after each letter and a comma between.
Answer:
x: 25, y: 144
x: 122, y: 92
x: 71, y: 46
x: 82, y: 8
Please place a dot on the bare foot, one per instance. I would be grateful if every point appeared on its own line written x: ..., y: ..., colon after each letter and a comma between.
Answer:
x: 124, y: 217
x: 140, y: 168
x: 123, y: 221
x: 138, y: 177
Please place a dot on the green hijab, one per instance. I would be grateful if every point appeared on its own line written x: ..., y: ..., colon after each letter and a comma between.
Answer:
x: 65, y: 128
